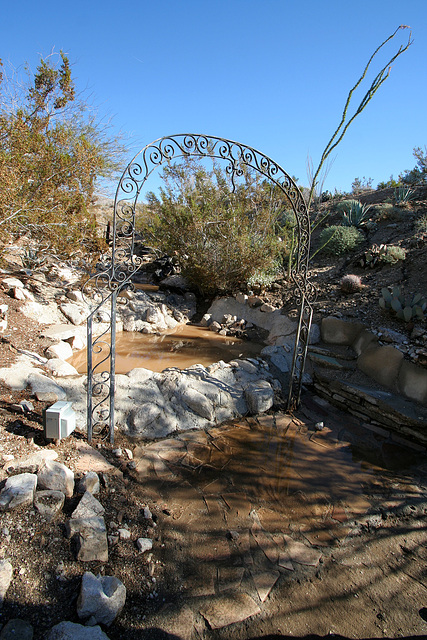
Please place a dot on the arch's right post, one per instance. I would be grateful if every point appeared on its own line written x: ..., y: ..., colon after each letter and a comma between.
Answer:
x: 302, y: 339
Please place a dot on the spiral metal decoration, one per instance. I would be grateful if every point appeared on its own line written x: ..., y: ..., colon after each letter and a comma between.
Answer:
x: 117, y: 269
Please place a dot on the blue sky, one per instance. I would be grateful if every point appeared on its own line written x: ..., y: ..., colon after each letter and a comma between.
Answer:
x: 273, y: 74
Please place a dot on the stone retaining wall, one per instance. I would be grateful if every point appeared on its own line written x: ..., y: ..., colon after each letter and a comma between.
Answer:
x: 383, y: 363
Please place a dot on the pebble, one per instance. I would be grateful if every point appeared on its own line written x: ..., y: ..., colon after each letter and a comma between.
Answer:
x: 118, y: 452
x: 124, y: 534
x: 144, y: 544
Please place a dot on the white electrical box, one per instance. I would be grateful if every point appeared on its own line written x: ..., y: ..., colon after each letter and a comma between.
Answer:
x: 59, y: 421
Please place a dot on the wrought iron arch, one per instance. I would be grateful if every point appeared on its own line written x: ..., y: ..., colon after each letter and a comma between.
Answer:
x: 120, y: 264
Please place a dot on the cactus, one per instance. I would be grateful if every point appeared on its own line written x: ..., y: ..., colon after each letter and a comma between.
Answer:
x: 382, y: 253
x: 406, y: 308
x: 350, y: 284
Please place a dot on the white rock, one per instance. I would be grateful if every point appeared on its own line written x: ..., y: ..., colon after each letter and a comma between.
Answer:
x: 6, y: 573
x: 3, y: 317
x: 102, y: 598
x: 32, y: 463
x: 144, y: 544
x: 61, y: 368
x: 77, y: 342
x: 45, y: 389
x: 18, y: 293
x: 18, y: 491
x: 74, y: 313
x: 60, y: 332
x: 74, y: 631
x: 259, y: 396
x: 13, y: 283
x: 57, y: 477
x: 62, y: 350
x: 75, y: 296
x: 124, y: 534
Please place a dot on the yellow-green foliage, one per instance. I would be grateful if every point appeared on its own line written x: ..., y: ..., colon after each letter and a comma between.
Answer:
x: 52, y: 149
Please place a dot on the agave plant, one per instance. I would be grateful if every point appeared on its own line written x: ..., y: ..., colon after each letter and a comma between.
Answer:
x: 354, y: 213
x: 403, y: 194
x: 406, y: 308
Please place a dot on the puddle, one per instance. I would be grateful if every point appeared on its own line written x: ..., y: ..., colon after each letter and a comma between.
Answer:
x: 282, y: 472
x: 185, y: 346
x: 251, y: 500
x: 300, y: 475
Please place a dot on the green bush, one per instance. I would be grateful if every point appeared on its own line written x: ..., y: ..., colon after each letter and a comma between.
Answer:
x: 377, y: 255
x: 388, y: 211
x: 337, y: 240
x: 222, y: 239
x: 421, y: 224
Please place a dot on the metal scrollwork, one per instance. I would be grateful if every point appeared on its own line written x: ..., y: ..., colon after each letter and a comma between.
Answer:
x: 119, y: 266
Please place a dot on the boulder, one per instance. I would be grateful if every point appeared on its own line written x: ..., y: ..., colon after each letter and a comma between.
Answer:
x: 45, y: 389
x: 381, y: 363
x: 61, y: 368
x: 336, y: 331
x: 18, y: 491
x: 412, y: 381
x: 91, y: 537
x: 74, y: 313
x: 49, y: 503
x: 74, y: 631
x: 102, y: 598
x: 56, y: 477
x: 3, y: 317
x: 17, y: 628
x: 60, y: 350
x: 88, y: 507
x: 259, y: 396
x: 32, y: 463
x: 89, y: 482
x: 6, y: 573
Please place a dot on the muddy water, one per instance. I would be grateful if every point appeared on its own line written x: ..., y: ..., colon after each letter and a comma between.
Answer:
x: 284, y: 469
x: 278, y: 468
x: 185, y: 346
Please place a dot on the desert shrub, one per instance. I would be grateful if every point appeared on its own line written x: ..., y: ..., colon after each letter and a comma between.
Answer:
x: 378, y: 255
x: 421, y: 224
x: 350, y: 283
x: 221, y: 237
x: 52, y: 150
x: 264, y: 279
x: 337, y: 240
x: 393, y: 254
x: 388, y: 211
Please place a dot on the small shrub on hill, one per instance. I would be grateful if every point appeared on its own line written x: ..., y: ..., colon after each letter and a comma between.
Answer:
x: 421, y: 224
x: 337, y: 240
